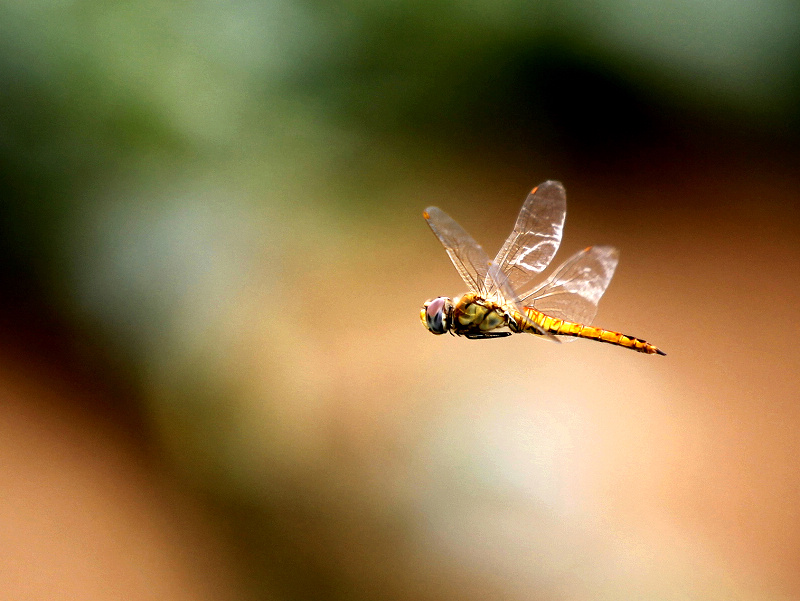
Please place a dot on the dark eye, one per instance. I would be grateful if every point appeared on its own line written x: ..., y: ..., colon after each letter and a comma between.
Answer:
x: 435, y: 316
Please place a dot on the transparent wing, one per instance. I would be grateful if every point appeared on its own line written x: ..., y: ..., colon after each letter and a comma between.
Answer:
x: 505, y: 295
x: 536, y: 237
x: 573, y: 291
x: 467, y: 255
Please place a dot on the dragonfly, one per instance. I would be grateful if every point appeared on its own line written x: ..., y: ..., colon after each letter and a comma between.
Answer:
x: 503, y: 297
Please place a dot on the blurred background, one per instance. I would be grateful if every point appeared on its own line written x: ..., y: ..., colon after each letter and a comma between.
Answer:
x: 213, y: 379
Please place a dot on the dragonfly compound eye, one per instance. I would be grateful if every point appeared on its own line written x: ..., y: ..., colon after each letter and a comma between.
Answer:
x: 435, y: 315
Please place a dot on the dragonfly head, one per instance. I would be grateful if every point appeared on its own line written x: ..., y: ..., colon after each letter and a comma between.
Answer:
x: 437, y: 315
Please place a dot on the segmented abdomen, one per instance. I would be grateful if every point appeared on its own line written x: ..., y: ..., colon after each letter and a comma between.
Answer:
x: 562, y: 327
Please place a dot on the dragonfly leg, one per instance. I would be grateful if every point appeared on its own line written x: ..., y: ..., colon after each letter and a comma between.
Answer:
x: 485, y: 335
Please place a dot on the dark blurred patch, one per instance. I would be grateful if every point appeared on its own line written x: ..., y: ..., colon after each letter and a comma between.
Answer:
x: 480, y: 92
x: 514, y: 94
x: 57, y: 140
x: 36, y: 333
x: 552, y: 99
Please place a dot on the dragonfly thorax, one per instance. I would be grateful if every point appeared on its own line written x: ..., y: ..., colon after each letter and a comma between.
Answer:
x: 437, y: 315
x: 475, y: 316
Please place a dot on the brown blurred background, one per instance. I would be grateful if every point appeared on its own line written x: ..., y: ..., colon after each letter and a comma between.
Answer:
x: 213, y: 379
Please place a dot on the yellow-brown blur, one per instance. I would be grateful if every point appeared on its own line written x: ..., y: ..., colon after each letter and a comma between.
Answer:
x: 213, y: 381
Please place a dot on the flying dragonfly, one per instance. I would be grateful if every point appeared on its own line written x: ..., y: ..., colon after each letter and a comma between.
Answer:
x: 503, y: 298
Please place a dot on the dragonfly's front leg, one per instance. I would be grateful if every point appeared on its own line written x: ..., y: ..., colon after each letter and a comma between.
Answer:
x: 484, y: 335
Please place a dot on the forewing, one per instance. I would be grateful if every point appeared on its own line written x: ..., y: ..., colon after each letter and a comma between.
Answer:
x: 467, y: 255
x: 575, y: 288
x: 536, y: 237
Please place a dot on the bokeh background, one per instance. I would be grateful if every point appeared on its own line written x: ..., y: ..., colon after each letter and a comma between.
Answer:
x: 213, y: 379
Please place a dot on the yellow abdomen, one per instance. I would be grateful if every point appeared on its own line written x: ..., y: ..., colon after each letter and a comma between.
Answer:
x: 562, y: 327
